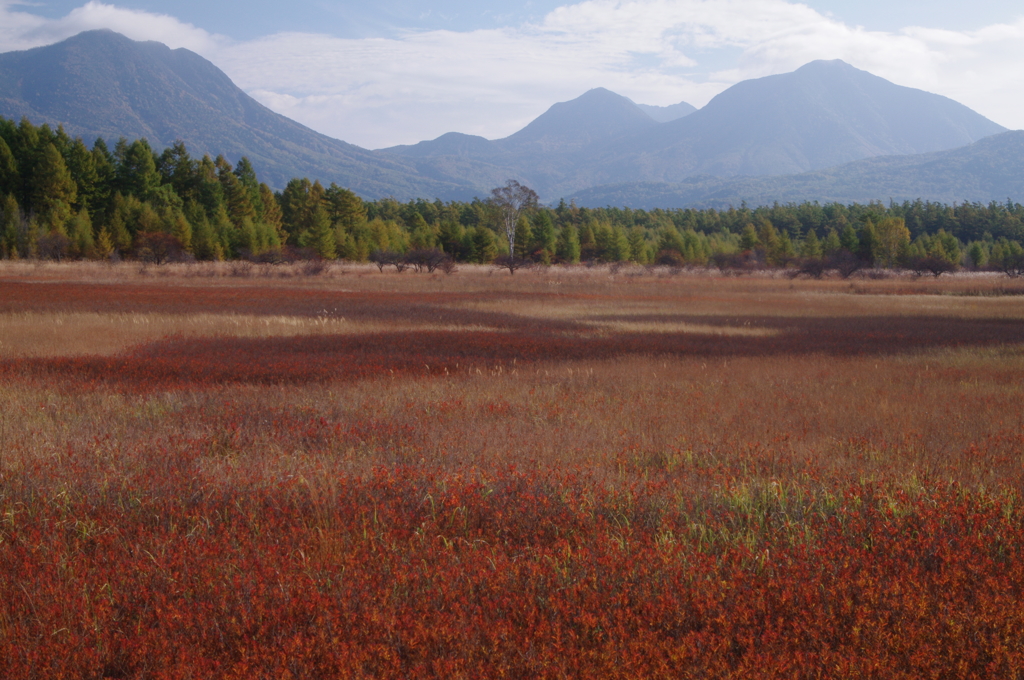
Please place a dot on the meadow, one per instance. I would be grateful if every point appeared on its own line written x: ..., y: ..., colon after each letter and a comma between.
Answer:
x: 232, y: 471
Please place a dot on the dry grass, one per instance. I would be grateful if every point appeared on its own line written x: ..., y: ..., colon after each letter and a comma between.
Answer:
x: 73, y: 334
x: 739, y: 477
x: 912, y: 403
x: 90, y: 308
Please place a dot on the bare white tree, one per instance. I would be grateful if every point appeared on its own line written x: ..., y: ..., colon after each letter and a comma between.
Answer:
x: 511, y: 200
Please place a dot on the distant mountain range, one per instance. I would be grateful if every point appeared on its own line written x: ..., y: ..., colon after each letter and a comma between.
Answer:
x: 989, y: 170
x: 797, y: 136
x: 824, y: 114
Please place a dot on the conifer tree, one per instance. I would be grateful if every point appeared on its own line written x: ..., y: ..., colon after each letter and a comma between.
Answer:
x: 767, y: 235
x: 297, y: 207
x: 386, y: 235
x: 978, y: 254
x: 223, y: 234
x: 748, y: 238
x: 868, y: 240
x: 588, y: 242
x: 272, y: 213
x: 9, y: 178
x: 82, y: 166
x: 452, y: 238
x: 244, y: 239
x: 177, y: 168
x: 239, y: 203
x: 204, y: 241
x: 524, y: 238
x: 119, y: 236
x: 831, y: 245
x: 136, y: 173
x: 784, y: 250
x: 345, y: 208
x: 267, y: 238
x: 321, y: 235
x: 28, y: 239
x: 208, y: 187
x: 422, y: 234
x: 568, y: 247
x: 545, y: 240
x: 638, y: 251
x: 104, y: 245
x: 54, y: 190
x: 10, y: 221
x: 175, y: 224
x: 670, y: 240
x: 891, y: 240
x: 246, y: 175
x: 811, y: 246
x: 62, y: 141
x: 103, y: 164
x: 849, y: 240
x: 950, y: 245
x: 81, y: 242
x: 484, y: 244
x: 27, y: 149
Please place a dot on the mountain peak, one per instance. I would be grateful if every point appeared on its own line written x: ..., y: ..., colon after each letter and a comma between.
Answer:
x: 823, y: 114
x: 596, y: 115
x: 826, y: 64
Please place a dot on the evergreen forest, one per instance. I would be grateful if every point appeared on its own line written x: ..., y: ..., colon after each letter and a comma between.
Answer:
x: 61, y: 199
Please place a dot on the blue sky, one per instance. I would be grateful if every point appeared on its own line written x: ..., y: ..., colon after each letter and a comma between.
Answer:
x: 400, y: 71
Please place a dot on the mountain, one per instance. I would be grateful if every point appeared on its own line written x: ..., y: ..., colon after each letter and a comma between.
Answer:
x: 599, y: 145
x: 821, y: 115
x: 666, y: 114
x: 101, y: 84
x: 554, y: 145
x: 595, y: 117
x: 988, y: 170
x: 824, y: 114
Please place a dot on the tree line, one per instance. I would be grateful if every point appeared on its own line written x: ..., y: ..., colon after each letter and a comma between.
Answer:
x: 61, y: 199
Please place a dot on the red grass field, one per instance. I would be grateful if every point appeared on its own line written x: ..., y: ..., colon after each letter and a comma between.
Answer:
x: 557, y: 474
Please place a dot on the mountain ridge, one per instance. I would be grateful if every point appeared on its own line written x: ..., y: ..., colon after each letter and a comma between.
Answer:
x: 102, y: 84
x: 819, y: 117
x: 824, y: 114
x: 991, y: 169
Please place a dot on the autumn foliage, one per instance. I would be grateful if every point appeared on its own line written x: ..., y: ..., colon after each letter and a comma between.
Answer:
x: 541, y: 488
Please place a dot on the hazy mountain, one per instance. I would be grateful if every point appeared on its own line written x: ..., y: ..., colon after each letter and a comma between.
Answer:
x: 821, y: 115
x: 666, y: 114
x: 551, y: 147
x: 989, y: 170
x: 101, y: 84
x: 596, y: 117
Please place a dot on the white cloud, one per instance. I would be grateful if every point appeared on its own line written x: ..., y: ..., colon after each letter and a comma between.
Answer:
x: 23, y: 30
x: 379, y: 92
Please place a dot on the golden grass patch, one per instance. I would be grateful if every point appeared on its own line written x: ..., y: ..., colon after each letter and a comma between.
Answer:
x: 69, y: 334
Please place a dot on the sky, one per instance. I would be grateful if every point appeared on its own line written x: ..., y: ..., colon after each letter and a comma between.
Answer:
x: 393, y: 72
